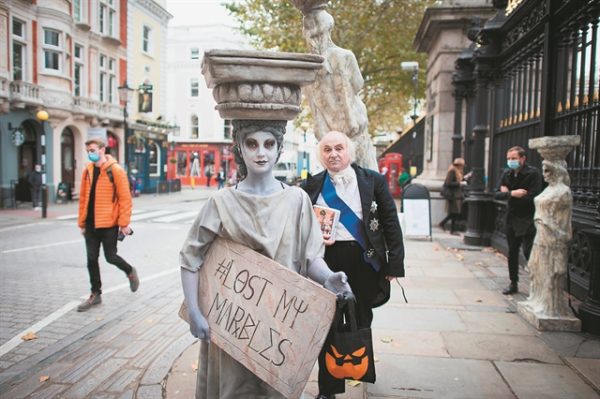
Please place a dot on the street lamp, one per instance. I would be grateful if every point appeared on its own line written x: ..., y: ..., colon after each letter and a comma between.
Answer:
x: 304, y: 173
x: 413, y: 66
x: 125, y: 94
x: 43, y: 116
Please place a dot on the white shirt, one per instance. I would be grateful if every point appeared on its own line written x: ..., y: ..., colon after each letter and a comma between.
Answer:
x: 346, y: 187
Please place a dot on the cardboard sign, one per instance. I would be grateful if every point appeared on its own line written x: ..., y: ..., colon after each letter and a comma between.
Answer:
x: 267, y: 317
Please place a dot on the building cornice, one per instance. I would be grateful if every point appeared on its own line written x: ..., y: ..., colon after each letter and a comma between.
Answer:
x: 155, y: 9
x: 437, y: 19
x: 55, y: 14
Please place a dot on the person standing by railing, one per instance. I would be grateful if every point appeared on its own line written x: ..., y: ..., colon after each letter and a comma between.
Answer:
x: 519, y: 184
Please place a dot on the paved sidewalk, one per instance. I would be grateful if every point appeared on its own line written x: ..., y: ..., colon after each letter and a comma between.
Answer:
x: 458, y: 337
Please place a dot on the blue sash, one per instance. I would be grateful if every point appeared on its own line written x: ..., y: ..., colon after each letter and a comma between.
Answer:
x: 349, y: 219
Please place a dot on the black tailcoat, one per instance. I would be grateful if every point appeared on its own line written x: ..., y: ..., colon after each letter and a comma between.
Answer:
x: 380, y: 222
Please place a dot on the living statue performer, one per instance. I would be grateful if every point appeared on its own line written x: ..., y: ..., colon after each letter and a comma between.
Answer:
x: 548, y: 260
x: 333, y: 97
x: 268, y: 216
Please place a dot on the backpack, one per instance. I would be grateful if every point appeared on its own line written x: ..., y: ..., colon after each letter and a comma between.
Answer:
x: 109, y: 173
x: 112, y: 180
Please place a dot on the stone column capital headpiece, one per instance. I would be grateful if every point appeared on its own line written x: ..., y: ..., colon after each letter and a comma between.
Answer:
x: 308, y: 6
x: 554, y: 148
x: 264, y: 85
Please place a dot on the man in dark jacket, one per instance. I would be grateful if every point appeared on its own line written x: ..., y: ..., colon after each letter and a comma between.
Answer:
x: 367, y: 245
x: 35, y: 182
x: 519, y: 184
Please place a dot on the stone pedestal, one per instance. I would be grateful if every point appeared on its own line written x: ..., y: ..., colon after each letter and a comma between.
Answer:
x: 546, y: 307
x: 545, y: 323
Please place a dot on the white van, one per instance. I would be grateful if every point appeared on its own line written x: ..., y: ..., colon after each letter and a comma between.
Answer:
x: 285, y: 172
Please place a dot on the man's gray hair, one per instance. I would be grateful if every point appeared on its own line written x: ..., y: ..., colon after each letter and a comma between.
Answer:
x: 350, y: 147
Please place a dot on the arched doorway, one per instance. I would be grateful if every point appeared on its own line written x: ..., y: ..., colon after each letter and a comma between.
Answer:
x: 67, y: 162
x: 112, y: 145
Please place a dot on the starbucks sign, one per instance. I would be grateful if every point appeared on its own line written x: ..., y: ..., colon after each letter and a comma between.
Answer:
x: 17, y: 137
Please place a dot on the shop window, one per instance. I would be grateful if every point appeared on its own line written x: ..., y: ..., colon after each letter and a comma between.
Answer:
x: 154, y: 160
x: 181, y: 163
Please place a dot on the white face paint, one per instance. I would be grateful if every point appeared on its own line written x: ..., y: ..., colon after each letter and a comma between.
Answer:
x: 259, y: 151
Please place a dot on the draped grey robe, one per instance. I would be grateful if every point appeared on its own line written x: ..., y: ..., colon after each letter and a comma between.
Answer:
x: 281, y: 226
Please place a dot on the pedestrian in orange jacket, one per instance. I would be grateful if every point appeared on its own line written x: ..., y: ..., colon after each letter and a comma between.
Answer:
x: 104, y: 213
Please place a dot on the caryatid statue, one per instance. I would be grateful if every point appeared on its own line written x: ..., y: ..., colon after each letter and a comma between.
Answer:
x: 546, y: 307
x: 333, y: 97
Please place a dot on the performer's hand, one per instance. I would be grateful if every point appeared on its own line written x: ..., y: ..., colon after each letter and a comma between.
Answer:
x: 83, y: 230
x: 199, y: 325
x: 504, y: 189
x: 338, y: 284
x: 390, y: 278
x: 125, y: 230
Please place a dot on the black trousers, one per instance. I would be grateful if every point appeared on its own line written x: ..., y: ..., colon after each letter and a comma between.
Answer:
x: 36, y: 194
x: 514, y: 243
x: 347, y: 256
x: 108, y: 238
x: 452, y: 217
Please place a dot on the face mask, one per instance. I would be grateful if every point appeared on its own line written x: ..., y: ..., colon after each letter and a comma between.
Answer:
x: 93, y: 156
x: 513, y: 164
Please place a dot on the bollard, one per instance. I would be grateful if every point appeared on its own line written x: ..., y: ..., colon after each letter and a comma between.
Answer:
x: 44, y: 201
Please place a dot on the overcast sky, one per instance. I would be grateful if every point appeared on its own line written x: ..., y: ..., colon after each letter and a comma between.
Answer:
x: 198, y: 12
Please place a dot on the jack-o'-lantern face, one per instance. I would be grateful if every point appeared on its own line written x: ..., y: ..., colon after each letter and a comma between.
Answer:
x: 353, y: 365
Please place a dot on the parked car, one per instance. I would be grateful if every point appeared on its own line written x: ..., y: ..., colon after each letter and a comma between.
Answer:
x: 285, y: 172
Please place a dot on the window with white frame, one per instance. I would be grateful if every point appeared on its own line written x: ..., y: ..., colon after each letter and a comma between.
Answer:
x: 53, y: 52
x: 227, y: 127
x: 102, y: 78
x: 195, y: 129
x: 78, y: 70
x: 146, y: 39
x: 107, y: 15
x: 78, y: 10
x: 195, y: 53
x: 112, y: 78
x: 153, y: 169
x: 19, y: 49
x: 194, y: 87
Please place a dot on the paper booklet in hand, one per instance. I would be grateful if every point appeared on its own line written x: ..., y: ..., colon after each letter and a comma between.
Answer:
x: 328, y: 220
